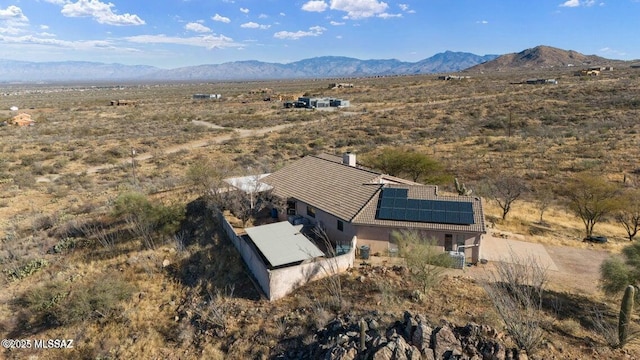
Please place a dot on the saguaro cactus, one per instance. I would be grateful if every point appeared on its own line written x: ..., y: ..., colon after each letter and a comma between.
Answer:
x: 626, y: 310
x: 363, y: 335
x: 461, y: 188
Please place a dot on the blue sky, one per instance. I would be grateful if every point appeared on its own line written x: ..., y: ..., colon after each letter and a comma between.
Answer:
x: 176, y: 33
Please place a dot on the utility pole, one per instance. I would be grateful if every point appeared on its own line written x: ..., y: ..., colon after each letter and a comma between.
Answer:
x: 133, y: 166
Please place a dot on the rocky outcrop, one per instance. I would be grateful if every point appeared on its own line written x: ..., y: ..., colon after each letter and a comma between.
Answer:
x: 413, y: 338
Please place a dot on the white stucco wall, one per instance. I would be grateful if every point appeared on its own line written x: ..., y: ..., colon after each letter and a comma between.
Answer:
x: 276, y: 284
x: 283, y: 281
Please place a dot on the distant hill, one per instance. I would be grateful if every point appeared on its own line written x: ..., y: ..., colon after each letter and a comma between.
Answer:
x: 318, y: 67
x: 26, y: 71
x: 540, y: 57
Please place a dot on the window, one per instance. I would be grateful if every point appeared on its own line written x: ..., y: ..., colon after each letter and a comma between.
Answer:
x: 311, y: 211
x: 340, y: 225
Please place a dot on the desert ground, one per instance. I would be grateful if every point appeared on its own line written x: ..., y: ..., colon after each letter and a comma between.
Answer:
x: 72, y: 269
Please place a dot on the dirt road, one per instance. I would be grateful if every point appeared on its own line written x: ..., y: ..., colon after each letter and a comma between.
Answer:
x: 569, y: 268
x: 234, y: 133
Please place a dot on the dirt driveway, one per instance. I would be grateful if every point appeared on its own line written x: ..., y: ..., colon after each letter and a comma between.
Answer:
x: 569, y: 268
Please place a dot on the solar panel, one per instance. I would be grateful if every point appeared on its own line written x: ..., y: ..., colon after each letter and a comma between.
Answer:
x: 438, y: 216
x: 400, y: 203
x: 386, y: 202
x: 394, y: 204
x: 413, y: 204
x: 439, y: 205
x: 385, y: 213
x: 399, y: 214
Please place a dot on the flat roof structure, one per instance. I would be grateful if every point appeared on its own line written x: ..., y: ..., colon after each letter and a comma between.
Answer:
x: 249, y: 184
x: 282, y: 243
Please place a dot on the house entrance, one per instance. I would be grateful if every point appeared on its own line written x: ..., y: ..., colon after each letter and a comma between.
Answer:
x: 448, y: 242
x: 291, y: 207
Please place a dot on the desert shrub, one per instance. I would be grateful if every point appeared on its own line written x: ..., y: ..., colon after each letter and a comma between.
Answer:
x: 147, y: 219
x: 516, y: 289
x: 424, y: 259
x: 64, y: 245
x: 26, y: 270
x: 59, y: 303
x: 43, y: 222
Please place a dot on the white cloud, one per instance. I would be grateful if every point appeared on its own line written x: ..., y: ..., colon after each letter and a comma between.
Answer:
x: 100, y: 12
x: 253, y: 25
x: 197, y: 27
x: 483, y: 22
x: 220, y: 18
x: 12, y: 20
x: 571, y: 3
x: 283, y: 14
x: 315, y: 6
x: 263, y: 16
x: 405, y: 8
x: 44, y: 27
x: 336, y: 23
x: 12, y: 12
x: 76, y: 45
x: 313, y: 31
x: 606, y: 51
x: 207, y: 41
x: 576, y: 3
x: 389, y: 16
x: 357, y: 9
x: 244, y: 10
x: 57, y: 2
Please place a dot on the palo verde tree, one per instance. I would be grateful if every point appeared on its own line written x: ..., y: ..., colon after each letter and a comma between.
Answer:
x: 628, y: 211
x: 408, y: 163
x: 591, y: 198
x: 207, y: 178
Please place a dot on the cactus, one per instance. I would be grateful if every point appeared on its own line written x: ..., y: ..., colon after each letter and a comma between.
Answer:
x: 363, y: 334
x: 461, y: 188
x: 626, y: 310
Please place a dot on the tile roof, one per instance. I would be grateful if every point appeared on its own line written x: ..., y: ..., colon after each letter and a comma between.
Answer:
x: 352, y: 193
x: 326, y: 184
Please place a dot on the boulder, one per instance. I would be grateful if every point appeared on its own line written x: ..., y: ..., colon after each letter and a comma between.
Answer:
x: 445, y: 344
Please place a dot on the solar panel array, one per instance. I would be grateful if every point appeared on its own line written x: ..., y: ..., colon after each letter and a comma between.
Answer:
x: 394, y: 204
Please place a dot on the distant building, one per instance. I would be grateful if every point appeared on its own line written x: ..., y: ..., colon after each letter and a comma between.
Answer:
x: 313, y: 103
x: 453, y: 77
x: 541, y: 81
x: 22, y: 119
x: 206, y: 96
x: 124, y: 103
x: 340, y: 85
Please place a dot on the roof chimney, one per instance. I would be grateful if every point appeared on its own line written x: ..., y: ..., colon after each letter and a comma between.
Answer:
x: 349, y: 159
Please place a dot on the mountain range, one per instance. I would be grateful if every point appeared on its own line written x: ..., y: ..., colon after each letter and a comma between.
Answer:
x: 318, y: 67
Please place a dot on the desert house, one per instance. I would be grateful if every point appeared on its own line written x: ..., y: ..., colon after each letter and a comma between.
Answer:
x: 22, y: 119
x: 349, y: 201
